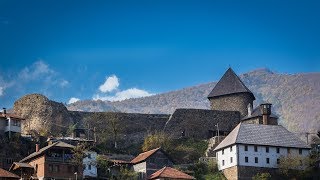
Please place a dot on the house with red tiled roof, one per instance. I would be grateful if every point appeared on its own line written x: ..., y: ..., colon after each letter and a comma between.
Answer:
x: 168, y: 173
x: 6, y: 175
x: 151, y: 161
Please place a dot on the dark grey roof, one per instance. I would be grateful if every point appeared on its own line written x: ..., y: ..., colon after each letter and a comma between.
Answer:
x: 230, y: 83
x: 259, y: 134
x: 256, y: 113
x: 42, y: 150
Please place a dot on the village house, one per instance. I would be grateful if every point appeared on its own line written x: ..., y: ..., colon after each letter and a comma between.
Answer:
x: 24, y: 170
x: 151, y: 161
x: 10, y: 124
x: 168, y: 173
x: 53, y: 161
x: 253, y: 148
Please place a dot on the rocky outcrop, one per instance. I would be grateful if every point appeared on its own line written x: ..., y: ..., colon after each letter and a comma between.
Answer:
x: 42, y: 115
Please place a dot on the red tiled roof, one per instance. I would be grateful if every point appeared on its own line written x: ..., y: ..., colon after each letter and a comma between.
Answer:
x: 168, y: 172
x: 7, y: 174
x: 11, y: 115
x: 143, y: 156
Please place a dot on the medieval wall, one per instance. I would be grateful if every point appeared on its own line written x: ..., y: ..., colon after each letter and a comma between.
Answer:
x: 233, y: 102
x: 197, y: 123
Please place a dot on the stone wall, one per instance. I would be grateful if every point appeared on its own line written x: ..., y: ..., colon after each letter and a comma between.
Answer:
x: 258, y: 120
x: 247, y: 172
x: 197, y: 123
x: 231, y: 173
x: 232, y: 102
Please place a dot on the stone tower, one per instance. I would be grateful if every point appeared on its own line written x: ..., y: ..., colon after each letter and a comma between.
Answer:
x: 230, y: 94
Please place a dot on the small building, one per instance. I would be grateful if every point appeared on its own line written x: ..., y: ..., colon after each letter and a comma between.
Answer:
x: 24, y: 170
x: 6, y: 175
x: 90, y: 165
x: 253, y: 148
x: 168, y: 173
x: 53, y: 161
x: 10, y: 124
x: 151, y: 161
x: 260, y: 115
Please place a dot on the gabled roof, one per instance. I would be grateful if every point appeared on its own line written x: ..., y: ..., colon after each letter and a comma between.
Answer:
x: 168, y: 172
x: 259, y: 134
x: 256, y: 113
x: 17, y: 165
x: 143, y: 156
x: 42, y: 150
x: 7, y: 174
x: 11, y: 115
x: 230, y: 83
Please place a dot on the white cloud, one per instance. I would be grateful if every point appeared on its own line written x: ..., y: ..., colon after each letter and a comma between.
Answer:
x: 63, y: 83
x: 73, y: 100
x: 125, y: 94
x: 36, y: 70
x: 111, y: 83
x: 1, y: 91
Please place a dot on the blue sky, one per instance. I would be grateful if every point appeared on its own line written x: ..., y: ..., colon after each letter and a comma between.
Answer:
x: 66, y: 49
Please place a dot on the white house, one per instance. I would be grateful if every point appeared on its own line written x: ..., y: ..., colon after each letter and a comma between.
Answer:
x: 90, y: 165
x: 10, y: 123
x: 252, y: 148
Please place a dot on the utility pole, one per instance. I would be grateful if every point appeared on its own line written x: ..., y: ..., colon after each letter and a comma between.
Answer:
x: 217, y: 125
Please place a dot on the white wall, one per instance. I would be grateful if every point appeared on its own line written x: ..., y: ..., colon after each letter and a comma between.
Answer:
x: 262, y: 155
x: 226, y: 157
x: 92, y: 160
x: 140, y: 167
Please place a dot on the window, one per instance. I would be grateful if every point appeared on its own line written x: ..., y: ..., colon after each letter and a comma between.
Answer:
x: 300, y: 151
x: 267, y: 149
x: 89, y: 166
x: 230, y: 148
x: 9, y: 160
x: 50, y: 168
x: 56, y: 168
x: 245, y: 148
x: 278, y: 161
x: 246, y: 159
x: 268, y: 160
x: 36, y: 168
x: 278, y: 150
x: 70, y: 169
x: 288, y: 150
x: 89, y: 155
x: 256, y: 159
x: 222, y: 162
x: 231, y: 159
x: 222, y: 151
x: 255, y: 148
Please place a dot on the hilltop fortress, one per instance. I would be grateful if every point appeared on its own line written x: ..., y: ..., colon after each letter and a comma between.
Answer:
x: 231, y: 102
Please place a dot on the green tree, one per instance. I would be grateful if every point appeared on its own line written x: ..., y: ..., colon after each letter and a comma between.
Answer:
x: 158, y: 139
x: 262, y: 176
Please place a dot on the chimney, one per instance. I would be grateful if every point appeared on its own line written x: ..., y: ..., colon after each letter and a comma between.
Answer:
x: 265, y: 109
x: 37, y: 147
x: 250, y: 109
x: 4, y: 110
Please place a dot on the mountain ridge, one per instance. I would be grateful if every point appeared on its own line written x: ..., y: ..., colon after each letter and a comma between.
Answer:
x: 295, y: 98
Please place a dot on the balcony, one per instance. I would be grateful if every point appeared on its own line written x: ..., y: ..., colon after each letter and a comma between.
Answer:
x: 67, y: 158
x: 16, y: 129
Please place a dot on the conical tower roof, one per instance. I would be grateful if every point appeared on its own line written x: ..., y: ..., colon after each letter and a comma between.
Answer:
x: 230, y: 83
